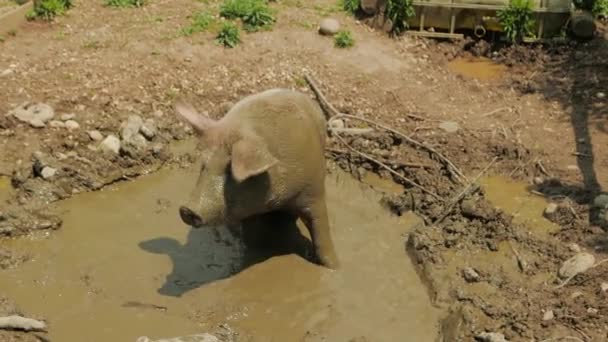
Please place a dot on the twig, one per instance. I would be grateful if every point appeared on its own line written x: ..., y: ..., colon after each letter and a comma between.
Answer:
x: 388, y: 168
x: 493, y: 112
x: 464, y: 192
x: 332, y: 113
x: 352, y: 131
x: 21, y: 323
x: 397, y: 162
x: 542, y: 168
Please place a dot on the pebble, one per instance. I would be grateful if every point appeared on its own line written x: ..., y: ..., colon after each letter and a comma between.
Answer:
x: 36, y: 114
x: 148, y: 129
x: 56, y: 124
x: 72, y: 125
x: 573, y: 247
x: 600, y: 95
x: 95, y: 135
x: 601, y: 201
x: 538, y: 180
x: 548, y: 315
x: 336, y: 124
x: 66, y: 117
x: 592, y: 311
x: 449, y: 126
x: 6, y: 72
x: 110, y: 144
x: 131, y: 127
x: 491, y: 337
x: 329, y: 26
x: 576, y: 294
x: 470, y: 275
x: 550, y: 210
x: 48, y: 172
x: 579, y: 263
x: 604, y: 287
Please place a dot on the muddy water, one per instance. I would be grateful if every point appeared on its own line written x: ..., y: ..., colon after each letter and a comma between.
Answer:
x: 479, y: 68
x: 124, y: 266
x: 5, y: 189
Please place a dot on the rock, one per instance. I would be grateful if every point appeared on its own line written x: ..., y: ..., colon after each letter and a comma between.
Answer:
x: 36, y: 114
x: 576, y: 294
x: 579, y: 263
x: 336, y: 124
x: 490, y: 337
x: 148, y: 129
x: 600, y: 95
x: 604, y: 287
x: 548, y: 315
x: 72, y: 125
x: 66, y: 117
x: 6, y: 72
x: 136, y: 145
x: 131, y: 127
x: 95, y: 135
x: 592, y: 311
x: 56, y: 124
x: 449, y: 126
x: 573, y: 247
x: 550, y: 211
x: 369, y: 6
x: 470, y: 275
x: 601, y: 201
x: 48, y: 172
x: 190, y: 338
x: 329, y: 27
x: 110, y: 144
x: 538, y: 180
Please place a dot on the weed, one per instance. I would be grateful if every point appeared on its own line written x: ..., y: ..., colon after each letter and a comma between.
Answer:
x: 49, y: 9
x: 600, y: 8
x: 229, y: 35
x: 399, y: 11
x: 351, y: 6
x: 255, y: 14
x: 125, y: 3
x: 344, y: 39
x: 517, y: 20
x: 2, y: 39
x: 200, y: 22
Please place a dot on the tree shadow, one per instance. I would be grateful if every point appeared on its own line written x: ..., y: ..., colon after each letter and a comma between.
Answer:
x: 215, y: 253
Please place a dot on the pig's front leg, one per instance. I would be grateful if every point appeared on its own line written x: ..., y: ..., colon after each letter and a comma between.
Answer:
x: 316, y: 220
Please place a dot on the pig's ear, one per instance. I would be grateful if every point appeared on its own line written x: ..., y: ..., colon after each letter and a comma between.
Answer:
x: 250, y: 157
x: 199, y: 122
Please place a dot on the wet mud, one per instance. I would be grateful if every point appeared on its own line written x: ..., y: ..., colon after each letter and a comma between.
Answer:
x: 137, y: 270
x: 477, y: 68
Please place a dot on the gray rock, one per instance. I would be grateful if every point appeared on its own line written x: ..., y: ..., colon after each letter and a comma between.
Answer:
x: 470, y: 275
x: 36, y: 114
x: 449, y: 126
x: 551, y: 210
x: 548, y: 315
x: 48, y: 172
x: 66, y: 117
x: 110, y: 144
x: 336, y: 124
x: 56, y: 124
x: 95, y: 135
x: 72, y: 125
x: 131, y: 127
x: 601, y: 201
x: 329, y: 27
x: 135, y: 146
x: 579, y: 263
x: 148, y: 129
x: 491, y: 337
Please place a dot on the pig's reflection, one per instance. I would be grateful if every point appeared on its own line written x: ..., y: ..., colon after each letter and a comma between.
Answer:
x: 214, y: 253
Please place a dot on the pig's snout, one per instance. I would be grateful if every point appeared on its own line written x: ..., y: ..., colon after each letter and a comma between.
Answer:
x: 190, y: 217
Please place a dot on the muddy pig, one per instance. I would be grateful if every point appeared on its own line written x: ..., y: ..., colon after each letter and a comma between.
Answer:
x: 266, y: 154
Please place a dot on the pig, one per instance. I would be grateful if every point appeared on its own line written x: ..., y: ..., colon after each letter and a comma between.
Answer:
x: 266, y: 154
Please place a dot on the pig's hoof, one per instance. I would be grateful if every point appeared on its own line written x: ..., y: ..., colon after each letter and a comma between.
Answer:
x: 190, y: 217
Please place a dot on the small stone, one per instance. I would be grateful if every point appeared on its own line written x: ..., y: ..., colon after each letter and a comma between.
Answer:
x: 56, y: 124
x: 95, y: 135
x: 336, y: 124
x: 48, y: 172
x: 579, y: 263
x: 131, y: 127
x: 576, y: 294
x: 329, y: 27
x: 470, y: 275
x: 36, y: 114
x: 601, y: 201
x: 491, y: 337
x: 66, y: 117
x: 6, y: 72
x: 573, y: 247
x: 604, y: 287
x: 538, y: 180
x: 600, y: 95
x: 550, y: 210
x: 110, y: 144
x: 72, y: 125
x: 592, y: 311
x: 548, y: 315
x: 148, y: 129
x: 449, y: 126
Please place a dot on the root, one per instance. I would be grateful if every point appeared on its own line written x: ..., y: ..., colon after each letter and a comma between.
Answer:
x: 21, y: 323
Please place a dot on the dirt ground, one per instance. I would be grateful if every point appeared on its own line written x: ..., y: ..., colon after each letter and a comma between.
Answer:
x: 541, y: 112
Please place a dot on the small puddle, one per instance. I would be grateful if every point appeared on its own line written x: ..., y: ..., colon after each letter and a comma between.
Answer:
x: 124, y: 266
x: 515, y: 199
x: 382, y: 184
x: 482, y: 69
x: 5, y: 189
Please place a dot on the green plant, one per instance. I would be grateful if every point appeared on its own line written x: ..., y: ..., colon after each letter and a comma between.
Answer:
x: 517, y: 20
x: 344, y: 39
x: 125, y: 3
x: 200, y: 22
x: 600, y: 7
x: 229, y: 35
x: 399, y: 11
x: 351, y: 6
x: 49, y: 9
x: 255, y: 14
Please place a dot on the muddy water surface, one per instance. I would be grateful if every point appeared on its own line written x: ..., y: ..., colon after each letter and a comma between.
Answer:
x: 479, y: 68
x: 124, y: 266
x: 5, y: 189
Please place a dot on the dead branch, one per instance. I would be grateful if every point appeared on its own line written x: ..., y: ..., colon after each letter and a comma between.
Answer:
x: 332, y: 114
x: 21, y: 323
x: 542, y: 168
x: 469, y: 188
x: 388, y: 168
x: 394, y: 162
x: 352, y: 131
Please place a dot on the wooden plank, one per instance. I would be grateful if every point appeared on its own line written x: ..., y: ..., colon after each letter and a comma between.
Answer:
x: 481, y: 7
x: 10, y: 21
x: 435, y: 34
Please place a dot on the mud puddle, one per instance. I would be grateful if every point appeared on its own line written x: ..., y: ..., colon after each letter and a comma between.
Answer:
x: 5, y: 189
x: 125, y: 266
x: 482, y: 69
